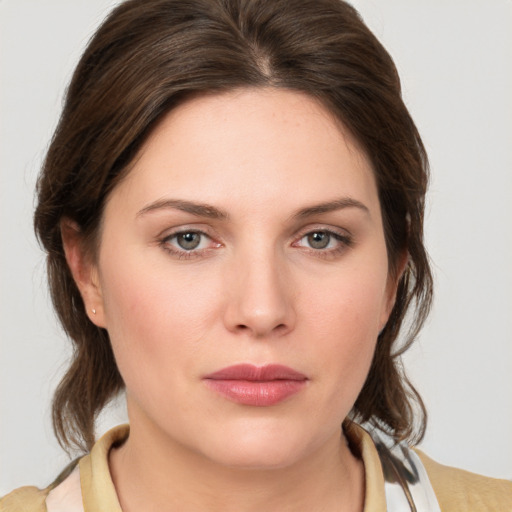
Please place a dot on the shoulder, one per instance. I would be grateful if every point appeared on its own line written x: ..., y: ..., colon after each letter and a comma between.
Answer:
x: 84, y: 484
x: 24, y: 499
x: 459, y: 490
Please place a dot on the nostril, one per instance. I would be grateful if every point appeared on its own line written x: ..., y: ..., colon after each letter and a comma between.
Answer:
x: 277, y: 329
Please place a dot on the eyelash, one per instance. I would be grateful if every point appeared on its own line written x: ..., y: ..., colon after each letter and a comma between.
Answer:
x: 345, y: 241
x: 183, y: 254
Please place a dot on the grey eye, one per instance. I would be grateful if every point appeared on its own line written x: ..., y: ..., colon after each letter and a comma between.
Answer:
x: 188, y: 240
x: 318, y: 239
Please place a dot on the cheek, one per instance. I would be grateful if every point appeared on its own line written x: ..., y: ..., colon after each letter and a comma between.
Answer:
x: 344, y: 318
x: 155, y: 318
x: 350, y: 303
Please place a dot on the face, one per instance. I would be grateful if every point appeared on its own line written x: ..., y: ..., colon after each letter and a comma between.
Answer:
x: 243, y: 278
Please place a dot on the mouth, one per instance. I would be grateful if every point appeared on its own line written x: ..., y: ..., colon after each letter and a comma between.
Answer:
x: 259, y: 386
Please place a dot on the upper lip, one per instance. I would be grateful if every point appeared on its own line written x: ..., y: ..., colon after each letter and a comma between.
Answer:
x: 254, y: 373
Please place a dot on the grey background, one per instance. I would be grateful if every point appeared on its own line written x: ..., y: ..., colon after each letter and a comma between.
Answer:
x: 455, y: 60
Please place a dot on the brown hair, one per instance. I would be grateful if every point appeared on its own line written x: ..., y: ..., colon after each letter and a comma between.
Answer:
x: 149, y: 56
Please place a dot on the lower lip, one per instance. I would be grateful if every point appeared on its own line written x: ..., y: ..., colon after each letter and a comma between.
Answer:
x: 256, y: 393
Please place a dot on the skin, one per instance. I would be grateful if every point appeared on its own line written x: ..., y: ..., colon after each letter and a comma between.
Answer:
x: 255, y: 290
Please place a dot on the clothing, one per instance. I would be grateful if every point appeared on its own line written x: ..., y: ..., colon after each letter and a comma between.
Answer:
x: 89, y: 487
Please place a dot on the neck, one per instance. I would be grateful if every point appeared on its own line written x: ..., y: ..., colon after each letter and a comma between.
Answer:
x: 151, y: 472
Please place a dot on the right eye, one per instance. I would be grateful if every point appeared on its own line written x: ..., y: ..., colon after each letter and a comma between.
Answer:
x: 187, y: 243
x: 188, y: 240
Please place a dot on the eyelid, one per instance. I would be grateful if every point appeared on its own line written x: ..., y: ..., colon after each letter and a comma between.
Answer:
x: 344, y: 238
x: 185, y: 228
x: 166, y: 235
x: 335, y: 230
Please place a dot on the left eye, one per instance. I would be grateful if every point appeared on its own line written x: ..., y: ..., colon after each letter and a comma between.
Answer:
x: 321, y: 240
x: 188, y: 240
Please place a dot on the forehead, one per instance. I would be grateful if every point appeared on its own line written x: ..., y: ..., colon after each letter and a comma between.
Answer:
x: 250, y: 145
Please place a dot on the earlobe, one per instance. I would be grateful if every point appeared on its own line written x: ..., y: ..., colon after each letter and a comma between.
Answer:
x: 84, y: 271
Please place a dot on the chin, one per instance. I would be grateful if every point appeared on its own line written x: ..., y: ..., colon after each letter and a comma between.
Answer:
x: 255, y: 457
x: 259, y: 446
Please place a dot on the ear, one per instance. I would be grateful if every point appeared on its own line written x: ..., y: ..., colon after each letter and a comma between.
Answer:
x: 392, y: 286
x: 84, y: 271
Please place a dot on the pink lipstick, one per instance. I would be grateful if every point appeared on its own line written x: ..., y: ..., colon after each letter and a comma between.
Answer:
x: 256, y: 385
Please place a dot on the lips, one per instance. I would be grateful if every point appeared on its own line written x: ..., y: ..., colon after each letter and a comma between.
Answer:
x: 259, y: 386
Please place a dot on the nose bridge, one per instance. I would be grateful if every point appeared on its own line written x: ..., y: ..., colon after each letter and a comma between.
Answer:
x: 261, y: 298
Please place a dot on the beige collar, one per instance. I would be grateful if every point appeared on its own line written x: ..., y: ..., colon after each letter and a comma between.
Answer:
x: 98, y: 491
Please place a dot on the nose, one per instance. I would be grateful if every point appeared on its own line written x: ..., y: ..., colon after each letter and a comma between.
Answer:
x: 260, y: 296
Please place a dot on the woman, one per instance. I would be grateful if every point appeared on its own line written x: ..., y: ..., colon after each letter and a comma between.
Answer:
x: 247, y: 323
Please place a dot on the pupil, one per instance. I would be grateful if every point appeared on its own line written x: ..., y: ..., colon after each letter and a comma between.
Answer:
x: 188, y: 240
x: 319, y: 240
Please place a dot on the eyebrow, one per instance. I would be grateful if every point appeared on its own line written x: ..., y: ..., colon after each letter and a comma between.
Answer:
x: 330, y: 206
x: 212, y: 212
x: 198, y: 209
